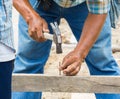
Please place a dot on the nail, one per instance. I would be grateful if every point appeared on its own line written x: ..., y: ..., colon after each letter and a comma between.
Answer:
x: 59, y: 68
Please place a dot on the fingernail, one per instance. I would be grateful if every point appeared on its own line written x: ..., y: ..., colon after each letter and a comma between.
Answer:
x: 60, y: 68
x: 45, y: 30
x: 64, y: 72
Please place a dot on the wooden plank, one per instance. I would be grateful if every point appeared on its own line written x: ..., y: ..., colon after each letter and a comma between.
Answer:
x: 46, y: 83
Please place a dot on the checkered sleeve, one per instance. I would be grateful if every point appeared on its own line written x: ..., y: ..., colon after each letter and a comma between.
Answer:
x: 98, y: 6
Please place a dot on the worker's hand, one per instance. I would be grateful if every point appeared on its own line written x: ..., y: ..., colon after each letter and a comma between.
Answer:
x: 71, y: 63
x: 36, y: 27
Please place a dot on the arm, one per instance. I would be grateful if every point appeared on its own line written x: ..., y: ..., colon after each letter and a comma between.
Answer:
x: 90, y: 33
x: 91, y: 30
x: 36, y: 24
x: 92, y: 27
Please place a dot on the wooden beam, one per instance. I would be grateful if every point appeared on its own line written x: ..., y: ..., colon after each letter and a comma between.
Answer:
x: 77, y: 84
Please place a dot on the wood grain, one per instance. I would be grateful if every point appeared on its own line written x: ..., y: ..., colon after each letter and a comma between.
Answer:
x: 72, y: 84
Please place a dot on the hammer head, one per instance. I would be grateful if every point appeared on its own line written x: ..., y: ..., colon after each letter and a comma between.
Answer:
x: 57, y: 37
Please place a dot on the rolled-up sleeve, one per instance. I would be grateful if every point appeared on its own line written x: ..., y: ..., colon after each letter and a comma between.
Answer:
x: 98, y: 6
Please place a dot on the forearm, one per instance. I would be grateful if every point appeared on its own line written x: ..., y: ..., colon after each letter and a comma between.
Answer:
x: 36, y: 24
x: 24, y: 8
x: 90, y: 33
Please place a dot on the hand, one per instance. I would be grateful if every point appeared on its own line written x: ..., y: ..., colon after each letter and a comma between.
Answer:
x: 36, y: 27
x: 71, y: 63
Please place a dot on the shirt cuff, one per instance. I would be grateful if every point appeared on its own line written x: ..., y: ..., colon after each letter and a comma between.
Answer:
x: 98, y: 6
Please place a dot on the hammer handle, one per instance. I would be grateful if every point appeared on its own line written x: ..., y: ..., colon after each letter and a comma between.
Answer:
x: 48, y: 36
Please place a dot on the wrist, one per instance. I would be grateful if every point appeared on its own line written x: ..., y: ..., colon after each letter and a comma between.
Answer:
x: 31, y: 16
x: 81, y: 51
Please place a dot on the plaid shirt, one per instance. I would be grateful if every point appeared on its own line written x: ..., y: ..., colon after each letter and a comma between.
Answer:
x: 6, y: 31
x: 94, y: 6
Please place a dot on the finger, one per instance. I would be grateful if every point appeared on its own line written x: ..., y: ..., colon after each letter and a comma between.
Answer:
x: 33, y: 34
x: 40, y: 35
x: 45, y: 26
x: 75, y: 71
x: 30, y: 32
x: 67, y: 62
x: 40, y: 32
x: 35, y: 37
x: 72, y: 67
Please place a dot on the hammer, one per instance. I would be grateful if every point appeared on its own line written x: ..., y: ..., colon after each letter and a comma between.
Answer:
x: 56, y: 37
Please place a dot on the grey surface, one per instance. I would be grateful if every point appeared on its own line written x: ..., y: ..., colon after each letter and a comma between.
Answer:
x: 88, y: 84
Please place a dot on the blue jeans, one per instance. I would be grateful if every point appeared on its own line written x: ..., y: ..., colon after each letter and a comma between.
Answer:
x: 114, y: 12
x: 32, y: 56
x: 5, y: 79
